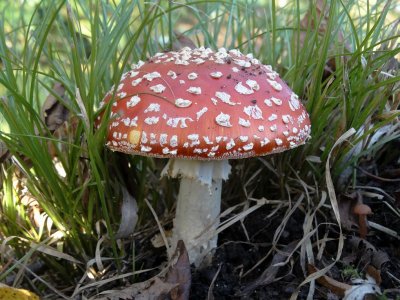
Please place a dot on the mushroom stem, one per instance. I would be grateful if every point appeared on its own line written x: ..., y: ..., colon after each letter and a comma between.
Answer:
x: 196, y: 218
x: 199, y: 204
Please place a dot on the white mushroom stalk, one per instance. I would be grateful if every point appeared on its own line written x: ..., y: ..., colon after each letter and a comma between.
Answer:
x: 198, y: 206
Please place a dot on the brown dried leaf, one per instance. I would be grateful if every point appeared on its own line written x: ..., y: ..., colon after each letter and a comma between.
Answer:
x: 54, y: 113
x: 179, y: 273
x: 374, y: 273
x: 153, y: 288
x: 176, y: 285
x: 347, y: 217
x: 337, y: 287
x: 181, y: 42
x: 4, y: 153
x: 379, y: 258
x: 129, y: 215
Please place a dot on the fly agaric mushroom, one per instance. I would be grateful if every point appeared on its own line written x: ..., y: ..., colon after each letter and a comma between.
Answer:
x: 200, y: 108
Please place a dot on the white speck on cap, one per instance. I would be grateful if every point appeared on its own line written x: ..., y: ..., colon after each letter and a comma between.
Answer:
x: 294, y: 102
x: 194, y: 138
x: 194, y: 90
x: 275, y: 85
x: 277, y: 101
x: 198, y: 61
x: 207, y: 140
x: 243, y: 138
x: 172, y: 74
x: 230, y: 144
x: 152, y: 107
x: 286, y: 119
x: 244, y: 122
x: 248, y: 146
x: 264, y: 142
x: 151, y: 120
x: 163, y: 138
x: 268, y: 102
x: 241, y: 89
x: 145, y: 148
x: 272, y: 117
x: 159, y: 88
x: 192, y: 76
x: 136, y: 81
x: 223, y: 120
x: 253, y: 111
x: 151, y: 76
x: 173, y: 142
x: 201, y: 112
x: 224, y: 97
x: 174, y: 122
x: 133, y: 101
x: 215, y: 148
x: 139, y: 64
x: 216, y: 74
x: 143, y: 138
x: 182, y: 102
x: 253, y: 84
x: 133, y: 74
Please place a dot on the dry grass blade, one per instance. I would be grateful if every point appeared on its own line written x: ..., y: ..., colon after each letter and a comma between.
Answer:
x: 335, y: 208
x: 270, y: 273
x: 54, y: 252
x: 210, y: 295
x: 162, y: 232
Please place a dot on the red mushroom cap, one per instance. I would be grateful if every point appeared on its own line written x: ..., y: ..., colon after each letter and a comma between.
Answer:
x: 200, y: 104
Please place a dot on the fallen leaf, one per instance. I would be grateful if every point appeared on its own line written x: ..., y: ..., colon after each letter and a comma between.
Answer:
x: 374, y: 273
x: 54, y: 113
x: 10, y: 293
x: 4, y: 153
x: 182, y: 41
x: 337, y: 287
x: 153, y: 288
x: 347, y: 218
x: 129, y: 215
x: 179, y: 273
x: 175, y: 286
x: 379, y: 258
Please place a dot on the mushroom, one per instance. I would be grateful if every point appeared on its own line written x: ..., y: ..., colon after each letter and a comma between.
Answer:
x: 200, y: 108
x: 362, y: 210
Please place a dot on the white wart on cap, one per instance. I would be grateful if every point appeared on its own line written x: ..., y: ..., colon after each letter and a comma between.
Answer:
x: 200, y: 104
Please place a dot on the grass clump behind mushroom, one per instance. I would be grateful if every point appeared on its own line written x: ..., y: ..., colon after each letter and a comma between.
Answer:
x: 67, y: 220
